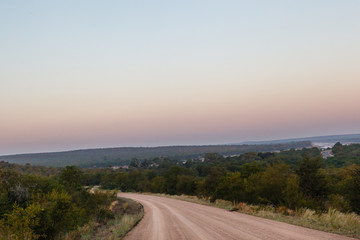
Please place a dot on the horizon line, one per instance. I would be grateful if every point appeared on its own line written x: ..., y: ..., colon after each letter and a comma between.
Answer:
x: 249, y: 142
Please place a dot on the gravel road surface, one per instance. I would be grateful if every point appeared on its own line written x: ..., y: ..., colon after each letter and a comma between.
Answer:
x: 168, y: 219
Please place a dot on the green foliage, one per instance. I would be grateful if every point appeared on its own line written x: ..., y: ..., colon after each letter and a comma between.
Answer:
x: 272, y: 183
x: 345, y: 155
x: 30, y: 169
x: 294, y: 157
x: 295, y: 179
x: 249, y: 169
x: 353, y: 188
x: 232, y: 187
x: 38, y: 207
x: 338, y: 202
x: 59, y: 214
x: 157, y: 184
x: 207, y: 187
x: 171, y: 179
x: 20, y: 223
x: 292, y: 195
x: 186, y: 185
x: 312, y: 181
x: 71, y: 177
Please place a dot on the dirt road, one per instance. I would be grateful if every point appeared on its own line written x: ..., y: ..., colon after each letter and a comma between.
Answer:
x: 167, y: 219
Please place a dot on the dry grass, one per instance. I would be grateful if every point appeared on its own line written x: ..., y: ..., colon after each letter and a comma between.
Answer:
x: 331, y: 221
x: 118, y: 228
x: 125, y: 219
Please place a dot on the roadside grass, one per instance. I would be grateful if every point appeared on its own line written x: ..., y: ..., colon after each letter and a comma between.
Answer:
x: 332, y: 220
x: 117, y: 228
x: 127, y: 214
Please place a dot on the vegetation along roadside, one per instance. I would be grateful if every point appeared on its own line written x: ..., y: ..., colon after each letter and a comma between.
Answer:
x: 126, y: 214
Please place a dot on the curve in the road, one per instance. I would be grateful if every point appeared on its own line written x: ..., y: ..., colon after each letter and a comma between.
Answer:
x: 167, y: 219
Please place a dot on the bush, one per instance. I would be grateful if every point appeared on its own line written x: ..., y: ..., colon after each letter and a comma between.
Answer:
x: 19, y: 224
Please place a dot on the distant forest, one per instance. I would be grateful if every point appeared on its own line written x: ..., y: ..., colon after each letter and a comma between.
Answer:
x: 123, y: 155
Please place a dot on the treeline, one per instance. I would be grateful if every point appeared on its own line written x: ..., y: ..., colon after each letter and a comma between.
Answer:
x: 30, y: 169
x: 123, y: 155
x: 344, y: 155
x: 294, y: 179
x: 40, y: 207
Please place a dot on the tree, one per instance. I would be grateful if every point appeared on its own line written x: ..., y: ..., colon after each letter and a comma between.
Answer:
x: 248, y: 169
x: 207, y: 187
x: 186, y: 185
x: 267, y: 187
x: 337, y: 148
x: 353, y: 189
x: 157, y: 184
x: 311, y: 180
x: 274, y: 183
x: 293, y: 198
x: 232, y: 188
x: 171, y: 179
x: 71, y: 178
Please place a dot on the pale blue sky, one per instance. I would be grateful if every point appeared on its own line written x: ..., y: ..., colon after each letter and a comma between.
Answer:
x: 78, y: 74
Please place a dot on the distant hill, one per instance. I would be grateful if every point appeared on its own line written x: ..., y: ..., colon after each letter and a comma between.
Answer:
x: 319, y: 140
x: 123, y: 155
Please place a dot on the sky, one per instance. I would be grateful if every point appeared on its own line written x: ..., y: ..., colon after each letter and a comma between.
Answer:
x: 89, y: 74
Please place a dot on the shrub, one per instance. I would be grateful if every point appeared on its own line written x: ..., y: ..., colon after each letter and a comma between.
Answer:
x: 19, y: 224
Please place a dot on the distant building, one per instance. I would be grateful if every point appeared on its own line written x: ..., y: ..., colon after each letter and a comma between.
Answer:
x: 326, y: 154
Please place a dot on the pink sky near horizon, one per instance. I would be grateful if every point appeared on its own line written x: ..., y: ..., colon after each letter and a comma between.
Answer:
x: 127, y: 75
